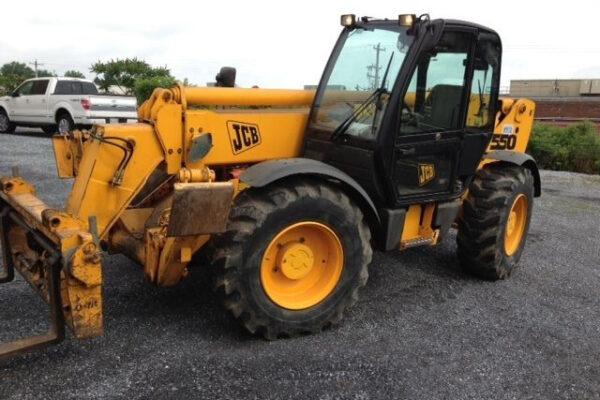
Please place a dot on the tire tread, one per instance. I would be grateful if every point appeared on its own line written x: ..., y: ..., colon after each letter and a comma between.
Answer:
x: 480, y: 227
x: 248, y: 214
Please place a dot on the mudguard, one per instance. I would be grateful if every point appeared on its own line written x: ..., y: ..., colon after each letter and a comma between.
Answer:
x: 517, y: 158
x: 267, y: 172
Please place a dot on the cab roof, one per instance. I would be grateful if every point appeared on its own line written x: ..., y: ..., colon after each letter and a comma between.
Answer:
x: 452, y: 22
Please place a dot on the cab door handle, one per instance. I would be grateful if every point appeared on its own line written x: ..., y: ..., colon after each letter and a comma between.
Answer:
x: 406, y: 151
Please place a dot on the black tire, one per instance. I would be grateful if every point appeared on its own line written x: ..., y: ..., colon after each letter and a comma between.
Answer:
x: 482, y: 226
x: 50, y: 129
x: 64, y: 122
x: 6, y: 126
x: 256, y: 218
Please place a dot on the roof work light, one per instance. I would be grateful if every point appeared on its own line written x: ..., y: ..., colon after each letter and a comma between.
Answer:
x: 348, y: 20
x: 407, y: 20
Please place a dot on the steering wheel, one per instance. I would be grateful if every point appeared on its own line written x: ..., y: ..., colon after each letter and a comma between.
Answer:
x: 407, y: 117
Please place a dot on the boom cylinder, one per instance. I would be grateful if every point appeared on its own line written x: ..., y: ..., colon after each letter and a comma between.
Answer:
x: 216, y: 96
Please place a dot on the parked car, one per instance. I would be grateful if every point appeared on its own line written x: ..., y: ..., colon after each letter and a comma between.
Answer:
x: 62, y: 104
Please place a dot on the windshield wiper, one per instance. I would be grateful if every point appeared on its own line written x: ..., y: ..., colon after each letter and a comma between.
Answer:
x: 375, y: 96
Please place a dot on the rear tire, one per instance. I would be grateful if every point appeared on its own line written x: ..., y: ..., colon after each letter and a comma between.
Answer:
x: 259, y: 217
x: 64, y: 122
x: 493, y: 227
x: 6, y: 126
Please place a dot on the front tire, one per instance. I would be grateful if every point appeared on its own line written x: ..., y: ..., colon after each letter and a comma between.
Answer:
x: 493, y: 228
x: 6, y: 126
x: 293, y: 258
x: 65, y: 123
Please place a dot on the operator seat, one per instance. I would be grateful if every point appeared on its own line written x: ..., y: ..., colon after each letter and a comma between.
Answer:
x: 442, y: 107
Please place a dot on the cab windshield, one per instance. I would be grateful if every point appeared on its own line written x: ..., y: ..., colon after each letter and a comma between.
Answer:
x: 357, y: 89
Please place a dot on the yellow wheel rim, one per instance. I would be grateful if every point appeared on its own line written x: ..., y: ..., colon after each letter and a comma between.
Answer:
x: 302, y: 265
x: 515, y: 225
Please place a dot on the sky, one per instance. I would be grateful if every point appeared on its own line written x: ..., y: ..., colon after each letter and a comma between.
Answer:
x: 281, y: 44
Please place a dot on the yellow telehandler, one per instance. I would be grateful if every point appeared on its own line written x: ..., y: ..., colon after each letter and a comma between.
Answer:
x: 288, y: 190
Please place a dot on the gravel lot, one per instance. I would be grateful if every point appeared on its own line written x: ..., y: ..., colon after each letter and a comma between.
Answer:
x: 422, y: 329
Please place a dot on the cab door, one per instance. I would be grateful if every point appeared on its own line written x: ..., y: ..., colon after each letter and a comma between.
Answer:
x: 19, y: 103
x: 434, y: 152
x: 38, y: 101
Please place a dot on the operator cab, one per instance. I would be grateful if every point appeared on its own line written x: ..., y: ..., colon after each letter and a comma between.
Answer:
x: 407, y: 107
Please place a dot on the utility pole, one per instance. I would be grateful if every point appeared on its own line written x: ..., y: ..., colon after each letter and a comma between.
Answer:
x: 373, y: 69
x: 36, y: 64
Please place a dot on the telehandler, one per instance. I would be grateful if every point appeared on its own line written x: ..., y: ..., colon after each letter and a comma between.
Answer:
x: 288, y: 190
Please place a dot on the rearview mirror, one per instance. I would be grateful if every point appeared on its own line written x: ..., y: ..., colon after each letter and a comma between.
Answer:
x: 14, y: 94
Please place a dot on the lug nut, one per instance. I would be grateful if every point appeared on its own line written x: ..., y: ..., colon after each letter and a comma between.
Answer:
x: 89, y: 248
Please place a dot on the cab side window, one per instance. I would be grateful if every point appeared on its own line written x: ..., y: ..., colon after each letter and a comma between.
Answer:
x: 89, y: 88
x: 480, y: 113
x: 66, y: 87
x: 25, y: 89
x: 76, y: 88
x: 433, y: 101
x: 39, y: 87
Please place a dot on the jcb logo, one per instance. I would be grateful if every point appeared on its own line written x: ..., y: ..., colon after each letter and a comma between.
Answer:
x: 242, y: 136
x: 426, y: 173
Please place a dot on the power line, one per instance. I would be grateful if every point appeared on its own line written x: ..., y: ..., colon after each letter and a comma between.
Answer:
x: 375, y: 67
x: 36, y: 64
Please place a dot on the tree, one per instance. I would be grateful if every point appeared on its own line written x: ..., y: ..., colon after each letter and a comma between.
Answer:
x: 12, y: 74
x: 124, y: 73
x: 74, y: 74
x: 43, y: 73
x: 145, y: 86
x: 186, y: 82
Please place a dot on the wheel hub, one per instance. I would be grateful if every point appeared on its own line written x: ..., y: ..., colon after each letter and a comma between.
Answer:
x: 515, y: 225
x: 511, y: 223
x: 296, y: 260
x: 302, y: 265
x: 63, y: 126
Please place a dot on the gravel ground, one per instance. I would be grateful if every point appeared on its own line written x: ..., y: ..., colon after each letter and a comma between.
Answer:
x: 422, y: 329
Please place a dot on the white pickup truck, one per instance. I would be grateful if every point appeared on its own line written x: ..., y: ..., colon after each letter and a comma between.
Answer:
x: 61, y: 104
